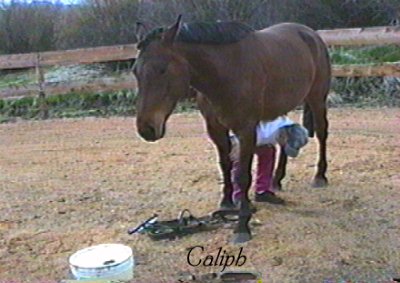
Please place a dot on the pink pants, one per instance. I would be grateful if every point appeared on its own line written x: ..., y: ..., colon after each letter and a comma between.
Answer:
x: 265, y: 169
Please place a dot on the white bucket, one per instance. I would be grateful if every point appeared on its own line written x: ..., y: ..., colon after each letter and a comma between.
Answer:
x: 107, y: 261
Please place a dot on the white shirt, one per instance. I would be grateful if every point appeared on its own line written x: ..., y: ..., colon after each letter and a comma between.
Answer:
x: 267, y: 131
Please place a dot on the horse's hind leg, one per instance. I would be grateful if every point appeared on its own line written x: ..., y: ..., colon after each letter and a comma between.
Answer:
x: 317, y: 103
x: 280, y: 171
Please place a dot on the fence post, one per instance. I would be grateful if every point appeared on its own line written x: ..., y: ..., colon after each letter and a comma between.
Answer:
x: 44, y: 111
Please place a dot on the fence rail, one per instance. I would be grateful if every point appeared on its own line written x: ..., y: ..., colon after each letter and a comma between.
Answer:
x: 338, y: 37
x: 361, y: 36
x: 98, y: 85
x: 68, y: 57
x: 367, y: 70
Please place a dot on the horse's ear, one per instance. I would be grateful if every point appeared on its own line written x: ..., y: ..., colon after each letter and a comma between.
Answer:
x: 171, y: 33
x: 140, y: 31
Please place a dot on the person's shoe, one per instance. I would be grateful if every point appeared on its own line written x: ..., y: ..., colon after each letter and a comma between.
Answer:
x: 269, y: 197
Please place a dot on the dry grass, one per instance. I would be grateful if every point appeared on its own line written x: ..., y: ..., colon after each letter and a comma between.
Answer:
x: 67, y: 184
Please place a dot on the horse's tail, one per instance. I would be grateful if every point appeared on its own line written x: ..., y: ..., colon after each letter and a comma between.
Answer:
x: 308, y: 119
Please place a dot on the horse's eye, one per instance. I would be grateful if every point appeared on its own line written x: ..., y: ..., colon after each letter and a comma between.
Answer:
x: 162, y: 70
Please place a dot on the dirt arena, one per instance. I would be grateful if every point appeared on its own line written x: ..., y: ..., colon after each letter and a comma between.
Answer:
x: 68, y: 184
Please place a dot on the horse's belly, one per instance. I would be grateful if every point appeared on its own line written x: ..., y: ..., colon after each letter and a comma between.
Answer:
x: 284, y: 98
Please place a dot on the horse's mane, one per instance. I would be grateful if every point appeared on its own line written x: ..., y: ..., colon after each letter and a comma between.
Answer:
x: 204, y: 33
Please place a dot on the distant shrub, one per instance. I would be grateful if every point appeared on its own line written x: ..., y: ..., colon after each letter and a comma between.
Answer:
x: 49, y: 26
x: 27, y: 27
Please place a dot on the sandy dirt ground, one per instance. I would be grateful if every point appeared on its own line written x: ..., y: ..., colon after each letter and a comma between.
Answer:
x: 69, y: 184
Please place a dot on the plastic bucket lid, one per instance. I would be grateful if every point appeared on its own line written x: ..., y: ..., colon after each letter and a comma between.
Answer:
x: 108, y: 261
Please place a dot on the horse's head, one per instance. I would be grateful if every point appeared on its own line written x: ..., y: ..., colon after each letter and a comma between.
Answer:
x: 163, y: 78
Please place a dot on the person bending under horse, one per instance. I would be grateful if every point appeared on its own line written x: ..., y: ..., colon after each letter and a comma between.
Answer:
x: 281, y: 131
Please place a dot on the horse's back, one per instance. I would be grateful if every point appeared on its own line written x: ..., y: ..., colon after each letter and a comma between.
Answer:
x: 296, y: 61
x: 296, y: 34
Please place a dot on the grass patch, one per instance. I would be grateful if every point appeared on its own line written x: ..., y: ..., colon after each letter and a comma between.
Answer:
x: 365, y: 55
x: 16, y: 79
x: 75, y: 105
x: 72, y: 105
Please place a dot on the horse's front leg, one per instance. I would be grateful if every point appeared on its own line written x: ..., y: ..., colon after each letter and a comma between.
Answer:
x: 247, y: 140
x: 220, y: 136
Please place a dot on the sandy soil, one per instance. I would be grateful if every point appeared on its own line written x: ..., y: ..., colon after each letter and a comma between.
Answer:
x: 68, y: 184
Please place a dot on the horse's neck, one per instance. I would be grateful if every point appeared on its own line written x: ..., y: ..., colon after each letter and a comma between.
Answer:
x: 206, y: 66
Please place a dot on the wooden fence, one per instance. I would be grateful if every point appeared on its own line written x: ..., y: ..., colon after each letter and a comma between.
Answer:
x: 338, y: 37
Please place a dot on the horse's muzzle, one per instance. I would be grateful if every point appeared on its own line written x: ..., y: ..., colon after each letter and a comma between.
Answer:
x: 150, y: 133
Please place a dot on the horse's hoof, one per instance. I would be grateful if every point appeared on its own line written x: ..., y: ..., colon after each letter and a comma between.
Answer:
x: 240, y: 238
x: 226, y: 205
x: 252, y: 207
x: 320, y: 182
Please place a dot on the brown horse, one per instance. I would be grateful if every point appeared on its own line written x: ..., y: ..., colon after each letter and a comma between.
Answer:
x: 245, y: 76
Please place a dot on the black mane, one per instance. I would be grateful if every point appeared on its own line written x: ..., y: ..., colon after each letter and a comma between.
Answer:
x: 204, y: 33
